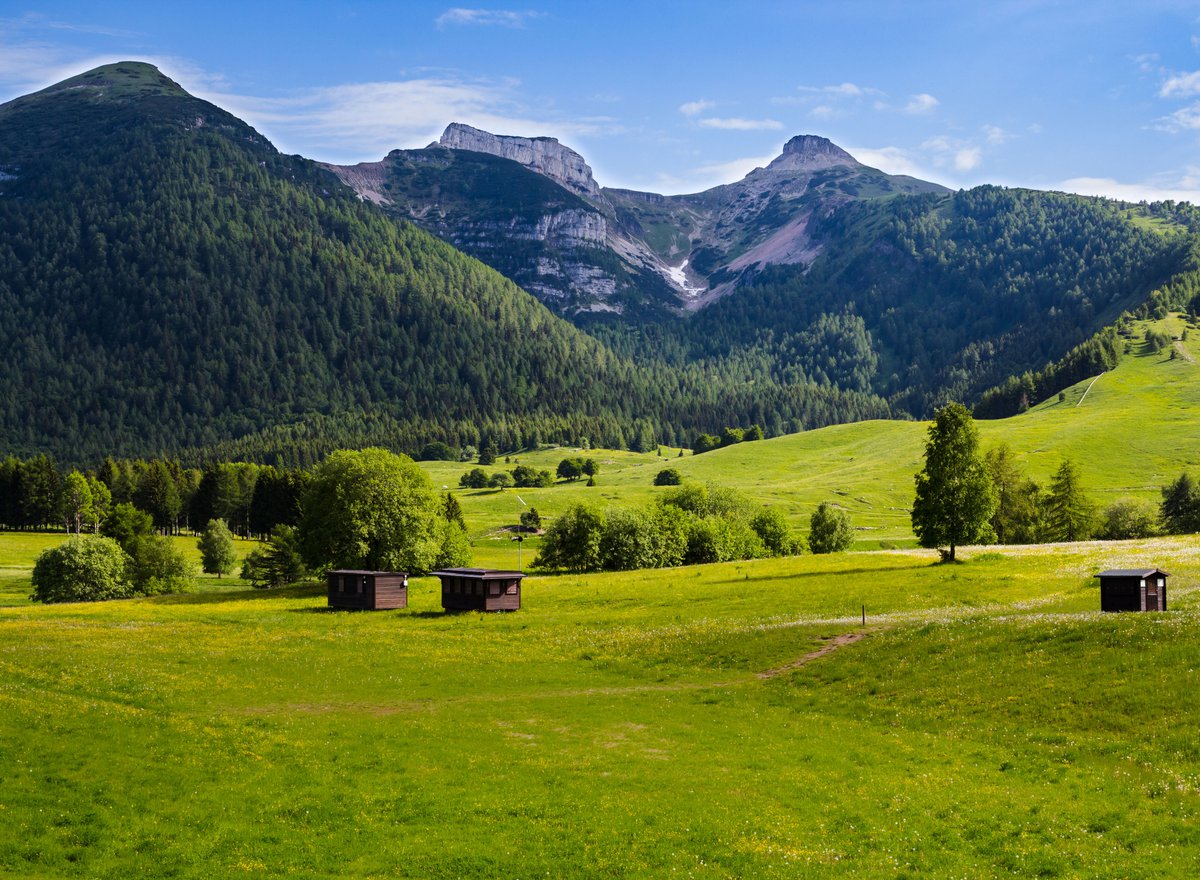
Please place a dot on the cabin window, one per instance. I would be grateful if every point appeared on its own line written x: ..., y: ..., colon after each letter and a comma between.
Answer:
x: 1160, y: 582
x: 1143, y: 582
x: 493, y: 589
x: 512, y: 590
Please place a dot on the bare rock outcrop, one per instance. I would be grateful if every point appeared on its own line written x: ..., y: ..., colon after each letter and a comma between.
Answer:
x: 544, y: 155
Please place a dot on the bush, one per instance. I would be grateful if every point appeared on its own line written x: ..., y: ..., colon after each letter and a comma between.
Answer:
x: 217, y: 555
x: 572, y: 541
x: 668, y: 477
x: 526, y: 477
x: 476, y: 478
x: 85, y: 568
x: 500, y: 480
x: 125, y: 523
x: 705, y: 443
x: 531, y: 520
x: 830, y: 530
x: 438, y: 451
x: 772, y: 528
x: 279, y: 563
x: 156, y: 566
x: 1128, y: 518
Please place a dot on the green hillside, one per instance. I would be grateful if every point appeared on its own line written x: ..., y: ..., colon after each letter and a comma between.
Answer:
x: 1134, y: 432
x: 170, y: 282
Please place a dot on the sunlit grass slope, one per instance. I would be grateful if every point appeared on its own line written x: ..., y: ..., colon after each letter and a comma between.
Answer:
x: 990, y: 723
x: 1137, y: 428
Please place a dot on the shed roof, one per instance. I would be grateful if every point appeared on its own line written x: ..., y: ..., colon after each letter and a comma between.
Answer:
x: 481, y: 573
x: 1132, y: 573
x: 365, y: 571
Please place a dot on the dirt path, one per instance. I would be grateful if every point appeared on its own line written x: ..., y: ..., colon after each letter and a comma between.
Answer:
x: 828, y: 648
x: 1183, y: 352
x: 1086, y: 390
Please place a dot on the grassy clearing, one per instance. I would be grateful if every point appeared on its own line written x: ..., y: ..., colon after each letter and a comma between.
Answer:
x: 990, y: 724
x: 1134, y: 432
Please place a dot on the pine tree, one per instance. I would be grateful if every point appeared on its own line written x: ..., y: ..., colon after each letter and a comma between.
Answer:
x: 1070, y: 516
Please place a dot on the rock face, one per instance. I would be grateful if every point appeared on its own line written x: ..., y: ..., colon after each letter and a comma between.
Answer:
x: 544, y: 155
x: 807, y: 152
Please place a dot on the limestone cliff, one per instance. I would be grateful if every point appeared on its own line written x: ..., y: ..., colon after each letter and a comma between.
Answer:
x: 544, y: 155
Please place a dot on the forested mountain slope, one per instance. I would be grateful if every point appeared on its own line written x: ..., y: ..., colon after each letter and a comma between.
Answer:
x: 169, y: 281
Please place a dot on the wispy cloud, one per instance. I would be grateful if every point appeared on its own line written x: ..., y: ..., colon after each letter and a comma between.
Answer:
x: 919, y: 105
x: 358, y: 121
x: 738, y: 124
x: 694, y: 108
x: 829, y: 98
x: 490, y: 17
x: 33, y: 21
x: 996, y: 135
x: 1181, y: 85
x: 892, y: 160
x: 1180, y: 187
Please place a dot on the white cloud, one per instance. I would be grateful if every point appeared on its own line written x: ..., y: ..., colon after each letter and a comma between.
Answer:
x: 891, y: 160
x: 1183, y: 188
x: 358, y: 121
x: 823, y: 111
x: 921, y: 104
x: 996, y: 135
x: 846, y: 93
x: 502, y: 17
x: 967, y: 158
x: 693, y: 108
x: 738, y: 124
x: 1183, y: 119
x: 1183, y: 85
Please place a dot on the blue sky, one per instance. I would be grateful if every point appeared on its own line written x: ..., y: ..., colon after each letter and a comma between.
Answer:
x: 1094, y: 97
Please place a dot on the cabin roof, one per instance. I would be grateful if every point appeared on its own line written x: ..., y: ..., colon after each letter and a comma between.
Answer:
x: 1131, y: 573
x: 480, y: 573
x: 366, y: 571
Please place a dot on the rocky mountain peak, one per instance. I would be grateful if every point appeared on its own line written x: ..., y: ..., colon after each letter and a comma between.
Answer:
x: 544, y: 155
x: 808, y: 152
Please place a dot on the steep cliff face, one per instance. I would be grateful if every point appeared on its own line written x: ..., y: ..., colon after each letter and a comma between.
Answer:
x: 530, y: 208
x: 544, y: 155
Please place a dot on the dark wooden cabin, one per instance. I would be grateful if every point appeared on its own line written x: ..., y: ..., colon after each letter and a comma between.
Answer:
x: 368, y: 590
x: 480, y: 589
x: 1133, y: 589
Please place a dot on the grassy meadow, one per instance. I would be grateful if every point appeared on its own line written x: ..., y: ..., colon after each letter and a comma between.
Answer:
x: 1134, y: 432
x: 734, y: 720
x: 989, y: 722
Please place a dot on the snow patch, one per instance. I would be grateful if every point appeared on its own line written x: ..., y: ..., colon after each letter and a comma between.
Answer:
x: 678, y: 274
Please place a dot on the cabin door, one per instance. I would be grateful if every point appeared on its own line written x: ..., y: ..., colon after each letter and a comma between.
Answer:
x: 1151, y: 598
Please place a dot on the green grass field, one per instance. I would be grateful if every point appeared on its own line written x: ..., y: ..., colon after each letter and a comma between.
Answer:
x: 989, y: 723
x: 1135, y: 431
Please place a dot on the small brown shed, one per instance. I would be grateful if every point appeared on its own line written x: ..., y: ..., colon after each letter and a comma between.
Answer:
x: 480, y: 589
x: 1133, y: 589
x: 368, y: 590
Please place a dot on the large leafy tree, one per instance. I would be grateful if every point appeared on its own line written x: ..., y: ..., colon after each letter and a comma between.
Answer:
x: 955, y: 496
x: 371, y: 509
x: 217, y: 553
x: 830, y: 529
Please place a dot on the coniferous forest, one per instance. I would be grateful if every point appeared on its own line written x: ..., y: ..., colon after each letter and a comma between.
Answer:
x: 171, y: 285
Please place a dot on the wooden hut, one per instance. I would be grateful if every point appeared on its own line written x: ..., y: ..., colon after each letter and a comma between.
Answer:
x: 480, y: 589
x: 368, y: 590
x: 1133, y: 589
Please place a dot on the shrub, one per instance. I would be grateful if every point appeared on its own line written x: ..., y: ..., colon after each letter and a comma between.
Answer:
x: 438, y: 451
x: 830, y: 530
x: 527, y: 477
x: 279, y: 563
x: 85, y: 568
x: 217, y: 555
x: 1128, y: 518
x: 531, y: 520
x: 772, y: 528
x: 476, y: 478
x: 156, y: 566
x: 125, y: 523
x: 668, y: 477
x: 572, y: 541
x: 500, y: 480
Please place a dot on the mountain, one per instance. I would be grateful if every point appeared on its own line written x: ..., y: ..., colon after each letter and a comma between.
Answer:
x: 586, y: 250
x: 170, y: 282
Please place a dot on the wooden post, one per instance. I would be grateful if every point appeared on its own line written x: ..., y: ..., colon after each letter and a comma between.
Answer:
x: 864, y: 615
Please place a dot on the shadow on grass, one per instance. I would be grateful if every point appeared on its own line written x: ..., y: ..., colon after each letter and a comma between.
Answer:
x: 804, y: 575
x: 250, y: 594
